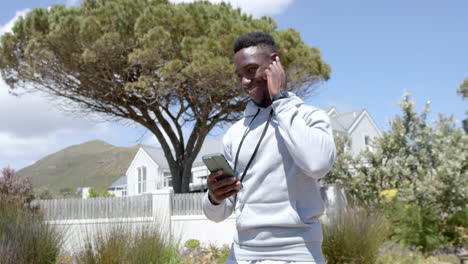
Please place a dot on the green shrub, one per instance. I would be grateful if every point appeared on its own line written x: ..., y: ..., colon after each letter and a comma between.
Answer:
x: 196, y: 253
x: 351, y: 235
x: 397, y: 254
x: 192, y: 243
x: 25, y: 238
x: 123, y: 245
x: 425, y: 165
x: 413, y: 225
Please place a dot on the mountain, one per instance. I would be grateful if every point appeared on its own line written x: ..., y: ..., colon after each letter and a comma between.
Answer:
x: 94, y: 164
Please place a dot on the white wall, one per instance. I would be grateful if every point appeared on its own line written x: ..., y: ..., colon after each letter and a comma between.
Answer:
x: 118, y: 193
x: 179, y: 228
x: 364, y: 127
x: 206, y: 231
x: 152, y: 172
x: 78, y: 232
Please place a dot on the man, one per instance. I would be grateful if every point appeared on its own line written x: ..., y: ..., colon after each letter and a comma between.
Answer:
x: 279, y: 150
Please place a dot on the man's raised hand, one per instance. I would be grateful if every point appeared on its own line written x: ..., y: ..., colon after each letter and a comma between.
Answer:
x: 219, y: 190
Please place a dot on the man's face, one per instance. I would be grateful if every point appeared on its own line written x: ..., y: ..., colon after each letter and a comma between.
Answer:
x: 250, y: 65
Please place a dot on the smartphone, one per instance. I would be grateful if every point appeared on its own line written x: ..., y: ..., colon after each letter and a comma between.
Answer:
x: 215, y: 162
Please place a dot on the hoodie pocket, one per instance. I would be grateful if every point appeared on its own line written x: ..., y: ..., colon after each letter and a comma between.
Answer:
x: 279, y: 214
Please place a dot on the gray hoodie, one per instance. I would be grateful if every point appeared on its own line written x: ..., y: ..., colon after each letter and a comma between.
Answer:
x: 277, y: 211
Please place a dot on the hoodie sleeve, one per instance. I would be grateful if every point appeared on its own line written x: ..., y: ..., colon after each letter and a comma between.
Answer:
x: 218, y: 213
x: 308, y: 136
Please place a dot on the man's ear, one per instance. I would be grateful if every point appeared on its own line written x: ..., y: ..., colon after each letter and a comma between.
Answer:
x: 273, y: 56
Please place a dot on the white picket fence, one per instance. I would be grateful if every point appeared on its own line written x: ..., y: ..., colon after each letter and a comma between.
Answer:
x: 116, y: 207
x: 177, y: 215
x: 187, y: 204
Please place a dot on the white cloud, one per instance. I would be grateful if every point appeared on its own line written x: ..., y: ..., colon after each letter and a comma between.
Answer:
x: 257, y: 8
x: 9, y: 25
x: 32, y: 115
x: 30, y: 128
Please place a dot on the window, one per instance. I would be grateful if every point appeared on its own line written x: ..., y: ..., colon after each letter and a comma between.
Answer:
x: 141, y: 179
x: 366, y: 140
x: 167, y: 179
x: 124, y: 193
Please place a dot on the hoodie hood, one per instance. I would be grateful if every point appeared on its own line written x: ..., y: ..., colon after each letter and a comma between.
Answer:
x: 252, y: 108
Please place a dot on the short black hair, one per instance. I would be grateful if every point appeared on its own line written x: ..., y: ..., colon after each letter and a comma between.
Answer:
x: 254, y: 39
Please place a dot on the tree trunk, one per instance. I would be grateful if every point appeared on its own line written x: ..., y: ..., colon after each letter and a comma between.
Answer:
x: 182, y: 173
x: 176, y: 181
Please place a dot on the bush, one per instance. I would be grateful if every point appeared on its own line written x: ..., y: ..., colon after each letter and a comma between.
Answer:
x: 413, y: 225
x: 25, y: 238
x: 123, y: 245
x: 14, y: 190
x: 397, y: 254
x: 353, y: 236
x: 96, y: 192
x: 424, y: 166
x: 199, y: 254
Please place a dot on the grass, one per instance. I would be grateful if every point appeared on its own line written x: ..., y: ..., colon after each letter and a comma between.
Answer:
x: 353, y: 236
x: 124, y: 245
x: 25, y: 238
x: 392, y: 253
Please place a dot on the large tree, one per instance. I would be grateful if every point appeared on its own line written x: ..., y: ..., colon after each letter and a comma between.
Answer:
x: 159, y: 64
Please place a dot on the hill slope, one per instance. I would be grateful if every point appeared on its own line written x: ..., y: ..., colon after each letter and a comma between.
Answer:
x: 94, y: 163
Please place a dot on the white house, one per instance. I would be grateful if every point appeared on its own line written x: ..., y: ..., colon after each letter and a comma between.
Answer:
x: 149, y: 170
x: 357, y: 125
x: 119, y: 187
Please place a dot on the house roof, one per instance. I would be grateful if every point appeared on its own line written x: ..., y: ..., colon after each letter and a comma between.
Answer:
x: 341, y: 123
x: 119, y: 182
x: 157, y: 155
x: 348, y: 119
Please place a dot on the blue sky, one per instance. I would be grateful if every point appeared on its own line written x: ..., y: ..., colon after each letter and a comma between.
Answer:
x: 377, y: 51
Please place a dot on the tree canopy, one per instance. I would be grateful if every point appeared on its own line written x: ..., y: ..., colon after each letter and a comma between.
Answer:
x: 463, y: 92
x: 159, y: 64
x: 463, y: 89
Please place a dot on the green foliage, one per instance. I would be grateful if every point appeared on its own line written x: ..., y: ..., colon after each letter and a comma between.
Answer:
x: 159, y: 64
x: 463, y: 92
x: 192, y: 243
x: 122, y: 244
x: 341, y: 173
x: 414, y: 225
x: 426, y: 166
x: 196, y: 253
x: 352, y: 235
x: 44, y: 194
x: 96, y: 192
x: 463, y: 89
x: 25, y: 238
x: 397, y: 254
x: 66, y: 192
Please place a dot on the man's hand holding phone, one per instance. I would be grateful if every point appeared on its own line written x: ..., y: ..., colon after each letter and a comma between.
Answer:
x: 221, y: 188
